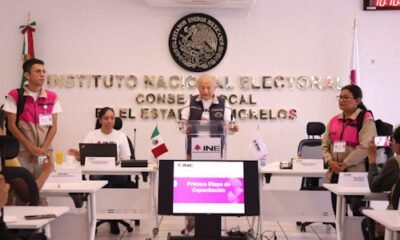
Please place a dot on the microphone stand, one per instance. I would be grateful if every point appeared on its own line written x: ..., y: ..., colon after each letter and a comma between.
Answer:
x: 134, y: 144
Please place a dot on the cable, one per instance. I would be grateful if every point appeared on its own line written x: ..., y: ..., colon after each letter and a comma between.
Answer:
x: 123, y: 233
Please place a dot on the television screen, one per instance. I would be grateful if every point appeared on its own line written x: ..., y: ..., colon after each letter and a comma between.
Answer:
x: 208, y: 187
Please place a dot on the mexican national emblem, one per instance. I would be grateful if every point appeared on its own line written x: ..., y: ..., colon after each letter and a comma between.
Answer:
x: 197, y: 42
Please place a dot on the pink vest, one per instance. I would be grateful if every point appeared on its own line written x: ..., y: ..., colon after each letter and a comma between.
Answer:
x: 29, y: 120
x: 346, y: 129
x: 43, y: 105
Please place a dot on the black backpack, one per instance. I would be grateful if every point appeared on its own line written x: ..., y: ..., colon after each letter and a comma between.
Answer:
x: 20, y: 109
x: 382, y: 129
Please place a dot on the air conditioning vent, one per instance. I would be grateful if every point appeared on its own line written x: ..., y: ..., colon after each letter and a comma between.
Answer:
x: 202, y: 3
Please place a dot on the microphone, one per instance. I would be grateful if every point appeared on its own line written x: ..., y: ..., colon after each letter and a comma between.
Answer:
x: 134, y: 144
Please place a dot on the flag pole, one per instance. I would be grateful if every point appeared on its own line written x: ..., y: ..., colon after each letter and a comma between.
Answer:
x: 29, y: 18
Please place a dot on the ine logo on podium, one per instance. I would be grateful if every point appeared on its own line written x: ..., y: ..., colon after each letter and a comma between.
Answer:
x: 197, y: 42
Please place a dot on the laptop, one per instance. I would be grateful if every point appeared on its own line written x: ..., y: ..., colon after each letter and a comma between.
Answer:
x: 98, y: 150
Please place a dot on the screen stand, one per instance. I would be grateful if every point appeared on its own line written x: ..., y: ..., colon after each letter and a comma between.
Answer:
x: 206, y: 228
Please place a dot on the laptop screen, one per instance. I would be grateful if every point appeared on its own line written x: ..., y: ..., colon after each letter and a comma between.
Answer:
x: 98, y: 150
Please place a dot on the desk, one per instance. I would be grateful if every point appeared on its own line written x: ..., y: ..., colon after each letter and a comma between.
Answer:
x: 282, y: 199
x: 389, y: 218
x: 273, y: 168
x: 118, y: 170
x: 90, y: 187
x: 21, y: 211
x: 341, y: 193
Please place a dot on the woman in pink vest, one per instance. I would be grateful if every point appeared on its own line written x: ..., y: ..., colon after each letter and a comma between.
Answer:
x: 344, y: 145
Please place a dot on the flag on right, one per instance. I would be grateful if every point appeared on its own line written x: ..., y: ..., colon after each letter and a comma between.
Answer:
x: 355, y: 67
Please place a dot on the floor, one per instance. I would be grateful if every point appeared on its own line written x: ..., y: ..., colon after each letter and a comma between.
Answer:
x: 283, y: 230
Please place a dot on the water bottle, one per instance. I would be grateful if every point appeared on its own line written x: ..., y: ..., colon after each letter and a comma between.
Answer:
x: 263, y: 161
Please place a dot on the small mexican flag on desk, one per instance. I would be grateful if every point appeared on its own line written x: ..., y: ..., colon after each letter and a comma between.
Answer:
x: 158, y: 144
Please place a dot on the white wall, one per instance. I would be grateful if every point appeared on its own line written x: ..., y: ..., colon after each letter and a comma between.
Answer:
x: 290, y: 38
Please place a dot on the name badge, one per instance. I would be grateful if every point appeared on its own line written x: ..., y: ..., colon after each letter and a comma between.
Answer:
x: 66, y: 175
x: 308, y: 164
x: 339, y: 147
x: 100, y: 162
x: 353, y: 179
x: 45, y: 120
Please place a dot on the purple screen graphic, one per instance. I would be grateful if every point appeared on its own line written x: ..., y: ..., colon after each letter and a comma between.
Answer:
x: 208, y: 190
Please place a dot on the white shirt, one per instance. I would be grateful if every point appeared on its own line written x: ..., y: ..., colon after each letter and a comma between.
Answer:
x: 117, y: 137
x: 206, y: 113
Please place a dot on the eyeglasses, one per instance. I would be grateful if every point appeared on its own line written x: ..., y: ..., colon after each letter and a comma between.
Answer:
x: 343, y: 98
x: 39, y: 71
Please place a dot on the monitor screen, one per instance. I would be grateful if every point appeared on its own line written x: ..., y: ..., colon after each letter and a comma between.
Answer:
x: 208, y: 187
x: 97, y: 150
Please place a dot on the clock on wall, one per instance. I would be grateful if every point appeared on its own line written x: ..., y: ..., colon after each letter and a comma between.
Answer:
x: 381, y: 5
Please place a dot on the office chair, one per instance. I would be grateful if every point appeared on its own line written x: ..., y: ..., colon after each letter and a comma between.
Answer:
x: 311, y: 148
x: 23, y: 185
x: 20, y: 179
x: 129, y: 183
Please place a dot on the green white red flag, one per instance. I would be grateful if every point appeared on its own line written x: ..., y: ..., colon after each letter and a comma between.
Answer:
x: 28, y: 50
x: 158, y: 145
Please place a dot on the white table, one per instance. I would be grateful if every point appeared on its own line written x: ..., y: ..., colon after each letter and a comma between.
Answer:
x: 90, y: 187
x: 341, y: 192
x: 18, y: 214
x: 389, y: 218
x: 118, y: 170
x: 273, y: 168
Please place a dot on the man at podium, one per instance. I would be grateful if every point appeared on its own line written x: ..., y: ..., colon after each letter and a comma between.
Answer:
x: 206, y: 107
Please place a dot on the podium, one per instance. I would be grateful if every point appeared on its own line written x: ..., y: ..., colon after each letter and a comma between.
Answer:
x: 205, y: 139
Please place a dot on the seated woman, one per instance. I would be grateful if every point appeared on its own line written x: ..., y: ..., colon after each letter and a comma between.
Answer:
x: 107, y: 134
x: 383, y: 180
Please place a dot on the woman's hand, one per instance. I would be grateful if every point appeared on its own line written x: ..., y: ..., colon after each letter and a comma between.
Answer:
x: 4, y: 188
x: 336, y: 167
x: 371, y: 149
x: 47, y: 166
x: 75, y: 153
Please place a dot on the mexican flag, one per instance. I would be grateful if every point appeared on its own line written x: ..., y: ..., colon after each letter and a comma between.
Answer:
x: 28, y: 51
x: 158, y: 144
x: 355, y: 63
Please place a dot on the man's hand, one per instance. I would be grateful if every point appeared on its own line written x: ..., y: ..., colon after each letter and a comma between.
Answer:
x: 36, y: 151
x: 233, y: 127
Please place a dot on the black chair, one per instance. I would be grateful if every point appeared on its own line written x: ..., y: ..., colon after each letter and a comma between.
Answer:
x: 24, y: 186
x: 129, y: 183
x: 20, y: 179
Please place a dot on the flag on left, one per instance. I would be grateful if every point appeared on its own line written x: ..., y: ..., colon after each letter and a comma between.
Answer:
x: 158, y: 144
x: 28, y: 50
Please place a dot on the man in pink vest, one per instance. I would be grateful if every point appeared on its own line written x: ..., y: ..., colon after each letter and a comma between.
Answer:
x: 36, y: 125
